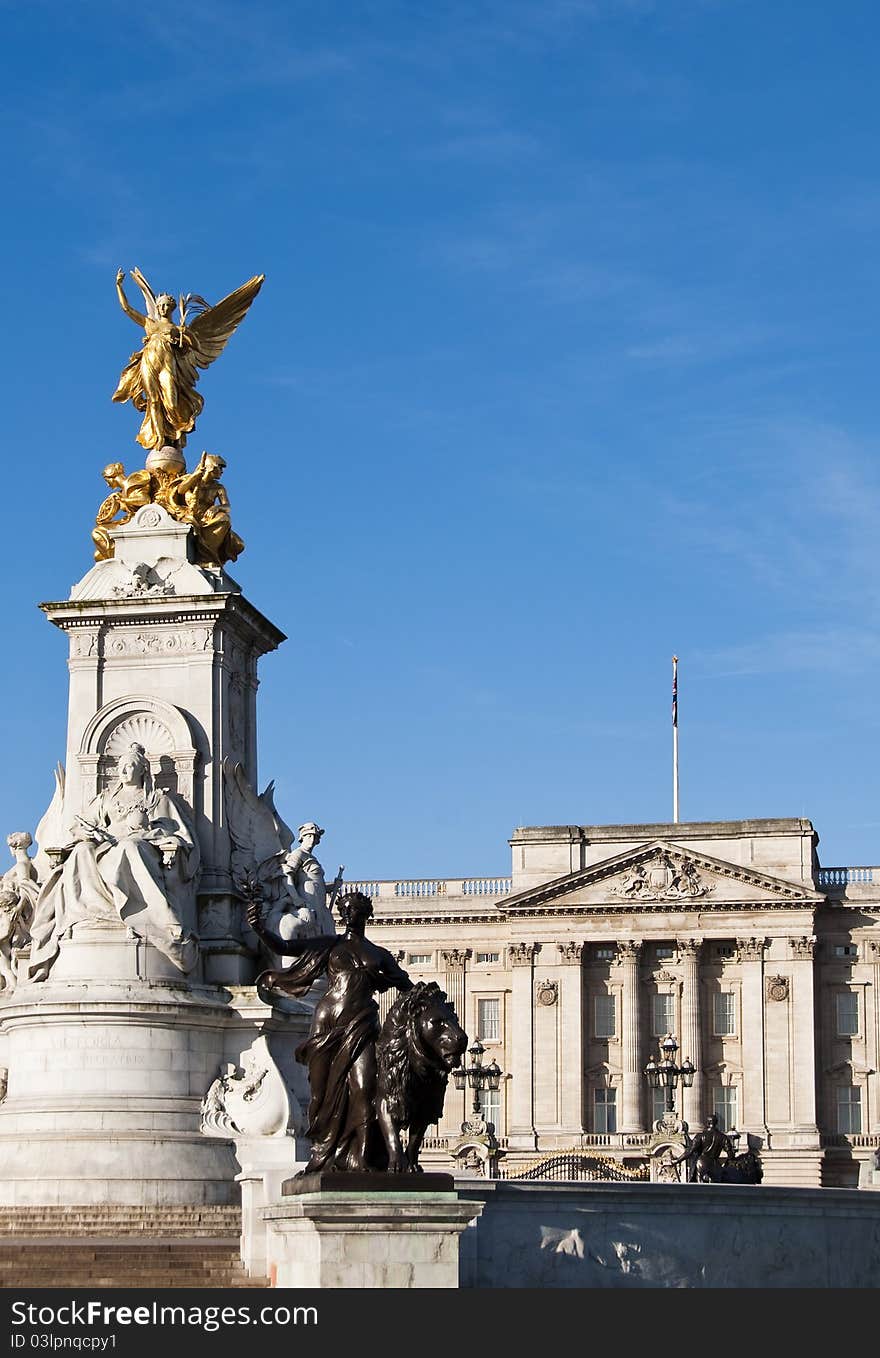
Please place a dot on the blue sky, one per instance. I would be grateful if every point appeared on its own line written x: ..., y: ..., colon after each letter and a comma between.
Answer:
x: 566, y: 360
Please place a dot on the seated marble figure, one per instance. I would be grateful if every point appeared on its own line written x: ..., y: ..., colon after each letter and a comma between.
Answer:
x: 133, y: 857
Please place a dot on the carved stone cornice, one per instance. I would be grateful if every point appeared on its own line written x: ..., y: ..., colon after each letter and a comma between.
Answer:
x: 454, y: 959
x: 803, y: 948
x: 751, y: 949
x: 571, y: 953
x: 522, y: 954
x: 629, y: 951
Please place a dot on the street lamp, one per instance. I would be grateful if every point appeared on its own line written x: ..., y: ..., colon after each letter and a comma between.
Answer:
x: 665, y: 1074
x: 478, y: 1076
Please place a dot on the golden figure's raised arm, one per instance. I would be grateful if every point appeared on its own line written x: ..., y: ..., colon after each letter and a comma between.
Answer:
x: 124, y: 302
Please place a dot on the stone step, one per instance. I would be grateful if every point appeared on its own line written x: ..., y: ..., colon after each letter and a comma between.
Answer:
x: 123, y: 1263
x: 114, y: 1221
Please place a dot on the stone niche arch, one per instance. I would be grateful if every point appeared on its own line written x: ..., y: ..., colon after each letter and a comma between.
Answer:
x: 159, y: 726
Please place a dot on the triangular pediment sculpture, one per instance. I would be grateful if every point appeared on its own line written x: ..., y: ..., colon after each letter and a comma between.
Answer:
x: 665, y: 876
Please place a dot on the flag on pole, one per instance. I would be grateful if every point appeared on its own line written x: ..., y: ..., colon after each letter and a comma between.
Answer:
x: 675, y: 739
x: 675, y: 690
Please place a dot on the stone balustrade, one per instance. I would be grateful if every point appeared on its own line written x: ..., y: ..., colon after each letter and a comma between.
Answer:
x: 844, y: 876
x: 425, y: 887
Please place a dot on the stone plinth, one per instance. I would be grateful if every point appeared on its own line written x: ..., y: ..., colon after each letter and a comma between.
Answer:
x: 395, y: 1236
x: 109, y: 1061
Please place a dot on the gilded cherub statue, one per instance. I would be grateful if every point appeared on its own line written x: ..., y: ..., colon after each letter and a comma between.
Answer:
x: 127, y: 494
x: 160, y: 379
x: 199, y: 498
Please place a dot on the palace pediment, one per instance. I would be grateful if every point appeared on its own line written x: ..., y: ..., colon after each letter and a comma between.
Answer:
x: 662, y: 876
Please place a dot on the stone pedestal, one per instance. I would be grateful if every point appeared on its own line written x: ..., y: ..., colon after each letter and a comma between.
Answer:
x: 396, y: 1235
x: 108, y: 1063
x: 266, y: 1162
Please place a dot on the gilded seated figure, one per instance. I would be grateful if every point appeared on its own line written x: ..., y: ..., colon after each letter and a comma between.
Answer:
x: 199, y: 498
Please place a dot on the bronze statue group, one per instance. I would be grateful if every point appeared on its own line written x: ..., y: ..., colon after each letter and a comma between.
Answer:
x: 368, y: 1083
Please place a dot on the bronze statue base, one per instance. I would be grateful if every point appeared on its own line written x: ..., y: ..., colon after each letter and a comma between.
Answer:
x: 357, y: 1181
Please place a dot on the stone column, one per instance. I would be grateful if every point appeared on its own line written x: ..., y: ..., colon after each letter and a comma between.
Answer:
x: 753, y: 1113
x: 872, y: 1112
x: 571, y: 1000
x: 632, y: 1078
x: 454, y: 961
x: 693, y: 1107
x: 806, y: 1133
x: 387, y: 998
x: 522, y: 1136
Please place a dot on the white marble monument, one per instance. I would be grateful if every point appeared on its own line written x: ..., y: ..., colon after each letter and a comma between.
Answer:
x: 135, y: 992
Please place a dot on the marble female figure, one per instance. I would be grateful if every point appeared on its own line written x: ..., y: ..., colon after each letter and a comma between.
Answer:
x: 340, y: 1051
x: 133, y: 858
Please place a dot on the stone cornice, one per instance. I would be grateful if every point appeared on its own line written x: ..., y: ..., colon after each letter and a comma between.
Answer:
x: 173, y: 610
x: 613, y: 913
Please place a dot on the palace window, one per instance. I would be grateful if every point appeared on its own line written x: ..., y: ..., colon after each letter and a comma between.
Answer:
x: 488, y: 957
x: 606, y: 952
x: 846, y: 950
x: 724, y: 1013
x: 847, y: 1013
x: 849, y: 1109
x: 605, y: 1110
x: 490, y: 1102
x: 658, y: 1104
x: 724, y: 1106
x: 489, y: 1020
x: 663, y: 1015
x: 420, y: 959
x: 664, y: 953
x: 605, y: 1025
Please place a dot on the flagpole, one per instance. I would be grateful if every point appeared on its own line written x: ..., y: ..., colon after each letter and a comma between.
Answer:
x: 675, y: 739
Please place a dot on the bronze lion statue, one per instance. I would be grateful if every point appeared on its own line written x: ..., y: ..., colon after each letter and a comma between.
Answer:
x: 420, y: 1043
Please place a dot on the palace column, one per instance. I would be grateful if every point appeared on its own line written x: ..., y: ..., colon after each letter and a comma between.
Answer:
x: 693, y: 1110
x: 454, y: 961
x: 753, y: 1112
x: 872, y: 997
x: 571, y: 1000
x: 803, y: 951
x: 631, y: 1067
x: 522, y: 1136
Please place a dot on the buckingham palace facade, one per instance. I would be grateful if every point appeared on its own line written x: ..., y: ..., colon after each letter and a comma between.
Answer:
x: 606, y: 938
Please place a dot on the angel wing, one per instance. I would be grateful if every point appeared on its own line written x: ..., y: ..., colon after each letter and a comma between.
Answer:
x: 213, y: 327
x: 51, y: 832
x: 149, y: 295
x: 285, y: 834
x: 258, y: 833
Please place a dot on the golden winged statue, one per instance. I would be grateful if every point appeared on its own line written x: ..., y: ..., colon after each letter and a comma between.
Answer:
x: 160, y: 379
